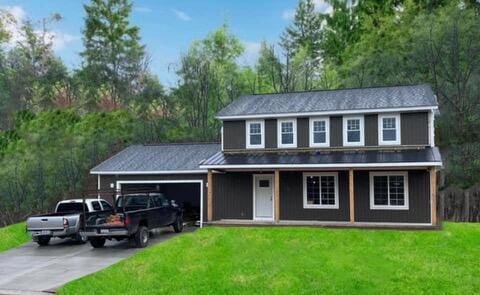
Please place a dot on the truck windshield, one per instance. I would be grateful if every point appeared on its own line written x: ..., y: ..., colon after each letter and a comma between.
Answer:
x: 71, y: 207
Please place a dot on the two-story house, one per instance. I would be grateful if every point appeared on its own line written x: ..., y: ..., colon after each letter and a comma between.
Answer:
x: 345, y: 157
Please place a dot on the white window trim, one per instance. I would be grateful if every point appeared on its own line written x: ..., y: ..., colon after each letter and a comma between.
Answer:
x: 362, y: 131
x: 405, y: 188
x: 247, y: 131
x: 397, y: 129
x: 327, y: 132
x: 320, y: 206
x: 279, y: 133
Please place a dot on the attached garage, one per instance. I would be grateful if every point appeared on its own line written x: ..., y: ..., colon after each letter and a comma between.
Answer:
x: 171, y: 169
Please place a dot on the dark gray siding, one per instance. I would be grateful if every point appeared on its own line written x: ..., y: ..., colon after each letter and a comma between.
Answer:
x: 106, y: 180
x: 302, y: 132
x: 270, y: 133
x: 414, y: 128
x: 371, y: 130
x: 233, y: 196
x: 336, y: 132
x: 419, y: 200
x: 291, y: 200
x: 234, y: 135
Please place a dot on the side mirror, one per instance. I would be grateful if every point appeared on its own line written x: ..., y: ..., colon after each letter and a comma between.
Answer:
x: 173, y: 203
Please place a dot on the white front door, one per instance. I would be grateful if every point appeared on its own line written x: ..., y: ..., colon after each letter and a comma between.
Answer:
x: 263, y: 197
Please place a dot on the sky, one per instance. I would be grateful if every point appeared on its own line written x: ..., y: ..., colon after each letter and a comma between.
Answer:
x: 168, y: 27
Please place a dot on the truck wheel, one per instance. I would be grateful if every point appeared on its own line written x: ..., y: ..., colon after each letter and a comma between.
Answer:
x: 80, y: 238
x: 43, y: 241
x: 178, y: 224
x: 97, y: 242
x: 141, y: 237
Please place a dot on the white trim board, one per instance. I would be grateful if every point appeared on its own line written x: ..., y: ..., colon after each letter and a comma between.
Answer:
x: 327, y: 113
x: 149, y: 172
x: 119, y: 183
x: 343, y: 165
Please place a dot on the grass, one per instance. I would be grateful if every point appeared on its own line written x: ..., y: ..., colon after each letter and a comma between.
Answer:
x: 13, y: 236
x: 266, y: 260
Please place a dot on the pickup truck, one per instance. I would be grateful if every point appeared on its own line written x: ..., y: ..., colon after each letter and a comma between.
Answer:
x: 66, y: 222
x: 133, y: 218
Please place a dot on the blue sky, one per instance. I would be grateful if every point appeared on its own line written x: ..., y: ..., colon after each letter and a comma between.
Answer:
x: 168, y: 27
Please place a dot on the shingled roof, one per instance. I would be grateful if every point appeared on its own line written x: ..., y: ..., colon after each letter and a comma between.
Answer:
x: 331, y: 100
x: 162, y: 158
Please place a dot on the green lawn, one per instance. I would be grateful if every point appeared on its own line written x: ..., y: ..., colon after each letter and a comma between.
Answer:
x: 12, y: 236
x: 281, y: 260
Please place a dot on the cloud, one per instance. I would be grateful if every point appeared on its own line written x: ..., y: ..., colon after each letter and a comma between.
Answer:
x: 288, y: 14
x: 142, y: 9
x: 181, y: 15
x: 251, y: 54
x: 58, y: 39
x: 321, y: 6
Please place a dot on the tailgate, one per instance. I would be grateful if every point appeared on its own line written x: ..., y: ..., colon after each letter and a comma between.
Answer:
x: 45, y: 222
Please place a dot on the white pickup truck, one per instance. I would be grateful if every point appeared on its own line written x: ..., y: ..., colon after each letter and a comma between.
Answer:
x: 66, y: 222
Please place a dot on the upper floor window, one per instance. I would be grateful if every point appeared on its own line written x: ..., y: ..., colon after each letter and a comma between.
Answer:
x: 255, y: 134
x: 353, y: 131
x: 389, y: 190
x: 319, y: 132
x: 287, y: 133
x: 320, y: 190
x: 389, y: 129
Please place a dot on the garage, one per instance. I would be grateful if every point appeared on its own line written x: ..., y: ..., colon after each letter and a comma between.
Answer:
x: 170, y: 169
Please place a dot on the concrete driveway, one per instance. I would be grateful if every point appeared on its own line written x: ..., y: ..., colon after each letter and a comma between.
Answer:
x: 31, y: 269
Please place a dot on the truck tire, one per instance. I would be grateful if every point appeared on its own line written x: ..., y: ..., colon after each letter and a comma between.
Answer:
x: 80, y: 239
x: 97, y: 242
x: 141, y: 237
x: 43, y: 241
x: 178, y: 224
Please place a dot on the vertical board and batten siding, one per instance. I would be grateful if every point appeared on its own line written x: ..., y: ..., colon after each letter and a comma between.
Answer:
x: 233, y: 196
x: 414, y: 128
x: 291, y: 199
x: 414, y: 131
x: 270, y: 133
x: 419, y: 200
x: 106, y: 180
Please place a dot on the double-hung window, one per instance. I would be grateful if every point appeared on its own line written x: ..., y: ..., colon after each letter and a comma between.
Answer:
x: 255, y: 134
x: 287, y: 133
x: 353, y: 131
x: 320, y: 190
x: 319, y: 132
x: 389, y: 129
x: 389, y: 190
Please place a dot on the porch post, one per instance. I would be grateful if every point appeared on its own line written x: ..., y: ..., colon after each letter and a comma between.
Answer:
x: 433, y: 195
x: 351, y: 195
x: 277, y: 195
x: 209, y: 195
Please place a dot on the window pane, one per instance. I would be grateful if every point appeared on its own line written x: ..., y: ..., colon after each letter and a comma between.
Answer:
x: 389, y: 135
x: 328, y: 190
x: 255, y: 139
x: 397, y: 191
x: 287, y: 138
x: 389, y: 123
x: 353, y: 136
x: 380, y: 190
x: 287, y: 127
x: 319, y: 137
x: 353, y: 124
x: 255, y: 128
x: 264, y: 183
x: 318, y: 126
x: 313, y: 190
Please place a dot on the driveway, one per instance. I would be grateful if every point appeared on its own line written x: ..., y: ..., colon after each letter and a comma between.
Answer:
x: 31, y: 269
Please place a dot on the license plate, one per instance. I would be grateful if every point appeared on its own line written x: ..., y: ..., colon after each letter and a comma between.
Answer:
x: 104, y: 231
x: 45, y: 232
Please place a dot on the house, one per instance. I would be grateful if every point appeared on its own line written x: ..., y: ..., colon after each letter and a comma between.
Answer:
x: 350, y: 157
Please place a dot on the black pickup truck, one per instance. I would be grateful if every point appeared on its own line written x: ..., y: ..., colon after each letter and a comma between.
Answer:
x: 132, y: 218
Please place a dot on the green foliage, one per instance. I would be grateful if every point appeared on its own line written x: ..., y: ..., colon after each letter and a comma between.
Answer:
x: 230, y: 260
x: 13, y: 236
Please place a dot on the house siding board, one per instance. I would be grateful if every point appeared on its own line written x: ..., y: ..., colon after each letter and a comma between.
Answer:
x: 371, y: 130
x: 270, y: 133
x: 302, y: 132
x: 336, y: 132
x: 106, y: 180
x: 291, y: 199
x: 234, y: 135
x: 414, y: 128
x: 419, y: 200
x: 233, y: 196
